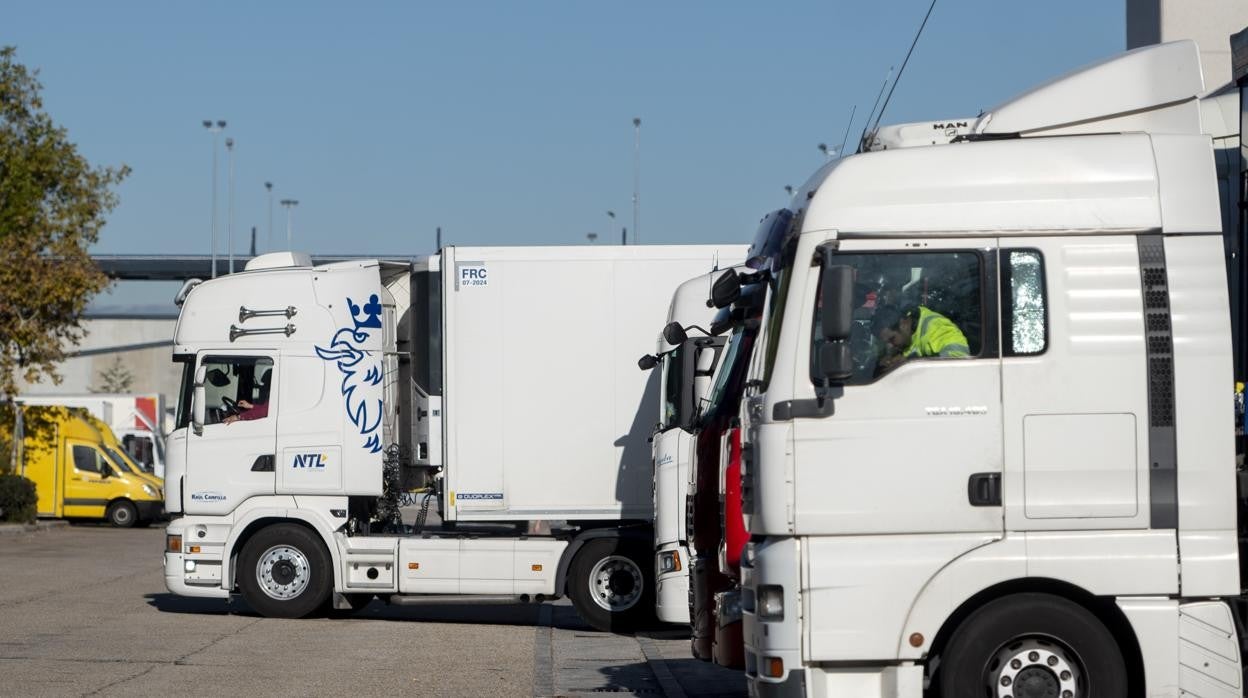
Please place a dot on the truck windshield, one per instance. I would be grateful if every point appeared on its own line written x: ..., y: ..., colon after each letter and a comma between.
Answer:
x: 722, y: 377
x: 777, y: 295
x: 185, y: 392
x: 673, y: 372
x: 122, y: 463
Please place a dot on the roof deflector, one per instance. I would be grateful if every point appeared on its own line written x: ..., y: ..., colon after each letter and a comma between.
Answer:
x: 1146, y: 79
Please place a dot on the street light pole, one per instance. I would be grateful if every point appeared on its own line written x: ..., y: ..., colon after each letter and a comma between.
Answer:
x: 610, y: 223
x: 268, y: 242
x: 215, y: 128
x: 290, y: 205
x: 229, y: 195
x: 636, y: 180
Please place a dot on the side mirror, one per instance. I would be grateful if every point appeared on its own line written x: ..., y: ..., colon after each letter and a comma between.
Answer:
x: 674, y: 334
x: 836, y: 364
x: 647, y: 362
x: 106, y: 470
x: 216, y: 377
x: 837, y: 295
x: 197, y: 401
x: 726, y: 289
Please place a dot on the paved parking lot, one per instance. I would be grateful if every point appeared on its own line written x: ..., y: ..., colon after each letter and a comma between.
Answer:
x: 84, y: 611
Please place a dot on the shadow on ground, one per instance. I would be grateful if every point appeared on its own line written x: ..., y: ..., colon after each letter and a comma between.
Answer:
x: 561, y: 616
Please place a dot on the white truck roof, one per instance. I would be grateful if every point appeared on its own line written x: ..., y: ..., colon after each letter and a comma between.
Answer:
x: 1142, y: 162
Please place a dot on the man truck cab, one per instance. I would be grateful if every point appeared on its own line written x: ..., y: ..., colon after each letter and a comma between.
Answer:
x: 1054, y: 513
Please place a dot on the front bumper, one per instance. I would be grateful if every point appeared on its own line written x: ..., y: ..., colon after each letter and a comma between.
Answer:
x: 671, y: 596
x: 195, y: 570
x: 792, y: 687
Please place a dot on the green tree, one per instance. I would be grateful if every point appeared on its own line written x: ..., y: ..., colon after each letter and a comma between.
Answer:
x: 52, y: 207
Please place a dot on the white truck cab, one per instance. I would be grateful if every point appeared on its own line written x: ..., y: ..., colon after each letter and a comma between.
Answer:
x: 990, y: 438
x: 687, y: 358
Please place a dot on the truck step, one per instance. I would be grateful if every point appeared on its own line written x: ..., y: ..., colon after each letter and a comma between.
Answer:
x: 464, y: 599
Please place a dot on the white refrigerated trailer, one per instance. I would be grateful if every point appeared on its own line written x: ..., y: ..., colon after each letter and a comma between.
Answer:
x: 502, y: 378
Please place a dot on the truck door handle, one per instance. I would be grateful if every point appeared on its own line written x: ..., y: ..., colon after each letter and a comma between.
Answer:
x: 984, y: 490
x: 263, y: 464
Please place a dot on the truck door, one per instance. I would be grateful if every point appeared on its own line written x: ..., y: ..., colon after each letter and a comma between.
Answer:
x: 233, y: 458
x: 914, y: 444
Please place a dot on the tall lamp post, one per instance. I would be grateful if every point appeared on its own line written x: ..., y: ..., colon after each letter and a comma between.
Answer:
x: 229, y: 206
x: 215, y: 128
x: 636, y: 180
x: 290, y: 205
x: 610, y: 222
x: 268, y: 241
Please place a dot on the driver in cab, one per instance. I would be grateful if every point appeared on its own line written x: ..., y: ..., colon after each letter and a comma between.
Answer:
x: 256, y: 410
x: 917, y: 332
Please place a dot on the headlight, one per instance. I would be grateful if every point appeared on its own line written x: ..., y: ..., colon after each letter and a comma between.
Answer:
x: 770, y: 602
x: 151, y: 491
x: 669, y: 561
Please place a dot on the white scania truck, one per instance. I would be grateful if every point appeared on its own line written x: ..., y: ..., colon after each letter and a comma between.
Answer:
x: 502, y: 379
x: 991, y: 437
x: 687, y: 360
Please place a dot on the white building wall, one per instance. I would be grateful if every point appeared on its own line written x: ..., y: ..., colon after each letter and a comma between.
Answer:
x: 1209, y: 23
x: 144, y: 345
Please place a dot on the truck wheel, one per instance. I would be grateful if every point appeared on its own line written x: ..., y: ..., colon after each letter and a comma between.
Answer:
x: 1032, y: 645
x: 612, y: 584
x: 122, y: 514
x: 284, y: 572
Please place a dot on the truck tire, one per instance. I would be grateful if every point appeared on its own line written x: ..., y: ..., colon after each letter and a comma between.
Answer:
x: 284, y: 572
x: 1032, y: 645
x: 612, y: 584
x: 122, y: 514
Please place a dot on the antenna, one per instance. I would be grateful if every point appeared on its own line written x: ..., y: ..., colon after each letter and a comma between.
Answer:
x: 841, y: 149
x: 903, y: 63
x: 867, y: 126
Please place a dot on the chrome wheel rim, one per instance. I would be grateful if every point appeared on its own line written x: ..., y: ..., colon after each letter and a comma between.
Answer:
x: 283, y: 572
x: 1035, y: 667
x: 616, y: 583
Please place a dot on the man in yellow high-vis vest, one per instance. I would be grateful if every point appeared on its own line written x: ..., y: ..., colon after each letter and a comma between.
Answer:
x: 919, y: 332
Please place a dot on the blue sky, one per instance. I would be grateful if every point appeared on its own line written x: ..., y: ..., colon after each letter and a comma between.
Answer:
x: 507, y: 123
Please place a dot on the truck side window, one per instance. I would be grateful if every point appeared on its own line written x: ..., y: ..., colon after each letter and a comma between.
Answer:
x: 86, y: 459
x: 1024, y: 313
x: 911, y: 306
x: 237, y: 386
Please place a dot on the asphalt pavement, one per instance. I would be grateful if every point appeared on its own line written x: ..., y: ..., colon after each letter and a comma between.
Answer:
x: 84, y: 611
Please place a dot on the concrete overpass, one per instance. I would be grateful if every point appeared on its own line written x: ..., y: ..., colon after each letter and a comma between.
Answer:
x: 158, y: 267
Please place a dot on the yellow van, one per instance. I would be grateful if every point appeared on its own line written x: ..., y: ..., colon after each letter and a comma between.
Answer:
x: 77, y: 474
x: 115, y: 449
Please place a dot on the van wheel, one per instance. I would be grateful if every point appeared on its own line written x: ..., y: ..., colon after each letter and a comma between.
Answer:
x: 122, y: 514
x: 612, y: 584
x: 284, y: 572
x: 1032, y: 645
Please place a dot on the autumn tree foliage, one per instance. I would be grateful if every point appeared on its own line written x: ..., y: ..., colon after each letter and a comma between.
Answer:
x: 52, y: 207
